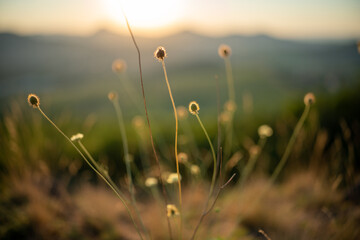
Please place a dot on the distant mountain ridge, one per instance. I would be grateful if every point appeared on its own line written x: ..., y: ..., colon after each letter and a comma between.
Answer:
x: 50, y: 63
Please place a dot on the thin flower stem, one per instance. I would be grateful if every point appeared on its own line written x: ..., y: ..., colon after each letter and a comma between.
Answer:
x: 291, y: 143
x: 148, y: 122
x: 127, y: 160
x: 103, y: 177
x: 96, y: 165
x: 251, y: 163
x: 207, y: 211
x: 230, y: 79
x: 213, y: 155
x: 176, y: 145
x: 231, y: 92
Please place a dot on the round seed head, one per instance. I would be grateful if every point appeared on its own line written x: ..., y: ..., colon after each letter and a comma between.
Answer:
x: 183, y: 157
x: 77, y: 137
x: 194, y: 108
x: 33, y: 100
x: 195, y: 170
x: 112, y: 96
x: 182, y: 112
x: 230, y: 106
x: 265, y: 131
x: 172, y: 178
x: 172, y: 210
x: 119, y: 66
x: 160, y: 53
x: 224, y: 51
x: 138, y: 122
x: 151, y: 181
x: 225, y: 117
x: 309, y: 99
x: 254, y: 150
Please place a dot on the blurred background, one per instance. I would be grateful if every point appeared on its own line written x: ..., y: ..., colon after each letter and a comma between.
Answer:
x: 64, y: 51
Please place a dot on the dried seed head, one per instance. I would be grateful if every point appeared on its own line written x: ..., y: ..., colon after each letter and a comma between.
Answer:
x: 182, y: 112
x: 225, y: 117
x: 172, y: 210
x: 254, y: 150
x: 33, y: 100
x: 138, y: 122
x: 230, y: 106
x: 119, y: 66
x: 151, y: 181
x: 224, y: 51
x: 309, y: 99
x: 112, y: 96
x: 358, y: 46
x: 172, y: 178
x: 265, y: 131
x: 77, y: 137
x: 160, y: 53
x: 194, y: 108
x: 183, y: 157
x: 195, y: 170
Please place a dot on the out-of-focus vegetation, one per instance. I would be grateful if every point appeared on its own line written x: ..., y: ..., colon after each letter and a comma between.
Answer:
x: 48, y: 192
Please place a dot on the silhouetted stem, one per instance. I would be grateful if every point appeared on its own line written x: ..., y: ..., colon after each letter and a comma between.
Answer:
x: 148, y: 121
x: 206, y: 212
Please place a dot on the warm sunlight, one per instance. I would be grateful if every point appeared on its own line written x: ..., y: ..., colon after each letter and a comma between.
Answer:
x: 144, y: 13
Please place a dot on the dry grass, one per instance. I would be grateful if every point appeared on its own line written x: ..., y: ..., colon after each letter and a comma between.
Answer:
x: 304, y: 207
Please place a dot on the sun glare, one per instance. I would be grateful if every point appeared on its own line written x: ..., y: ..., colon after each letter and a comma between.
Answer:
x: 145, y: 14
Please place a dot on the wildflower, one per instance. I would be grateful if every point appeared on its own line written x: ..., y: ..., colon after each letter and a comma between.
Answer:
x: 309, y: 99
x: 224, y: 51
x: 172, y: 210
x: 194, y: 169
x: 230, y: 106
x: 151, y: 181
x: 33, y: 100
x: 112, y: 96
x: 160, y: 53
x: 265, y: 131
x: 183, y: 157
x: 172, y: 178
x: 194, y: 108
x: 119, y: 66
x: 77, y: 137
x: 182, y: 113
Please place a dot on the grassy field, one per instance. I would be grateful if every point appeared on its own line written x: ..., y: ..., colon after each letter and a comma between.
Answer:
x: 48, y: 191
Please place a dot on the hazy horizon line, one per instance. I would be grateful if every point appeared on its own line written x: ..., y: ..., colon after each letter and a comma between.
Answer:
x: 182, y: 31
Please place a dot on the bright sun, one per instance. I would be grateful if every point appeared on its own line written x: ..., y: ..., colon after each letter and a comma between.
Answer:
x: 145, y: 13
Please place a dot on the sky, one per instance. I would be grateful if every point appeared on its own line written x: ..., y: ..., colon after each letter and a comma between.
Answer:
x: 281, y: 18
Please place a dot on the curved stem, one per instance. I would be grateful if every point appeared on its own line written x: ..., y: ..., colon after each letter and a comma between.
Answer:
x: 213, y: 155
x: 103, y: 177
x: 291, y: 143
x: 176, y: 144
x: 148, y: 122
